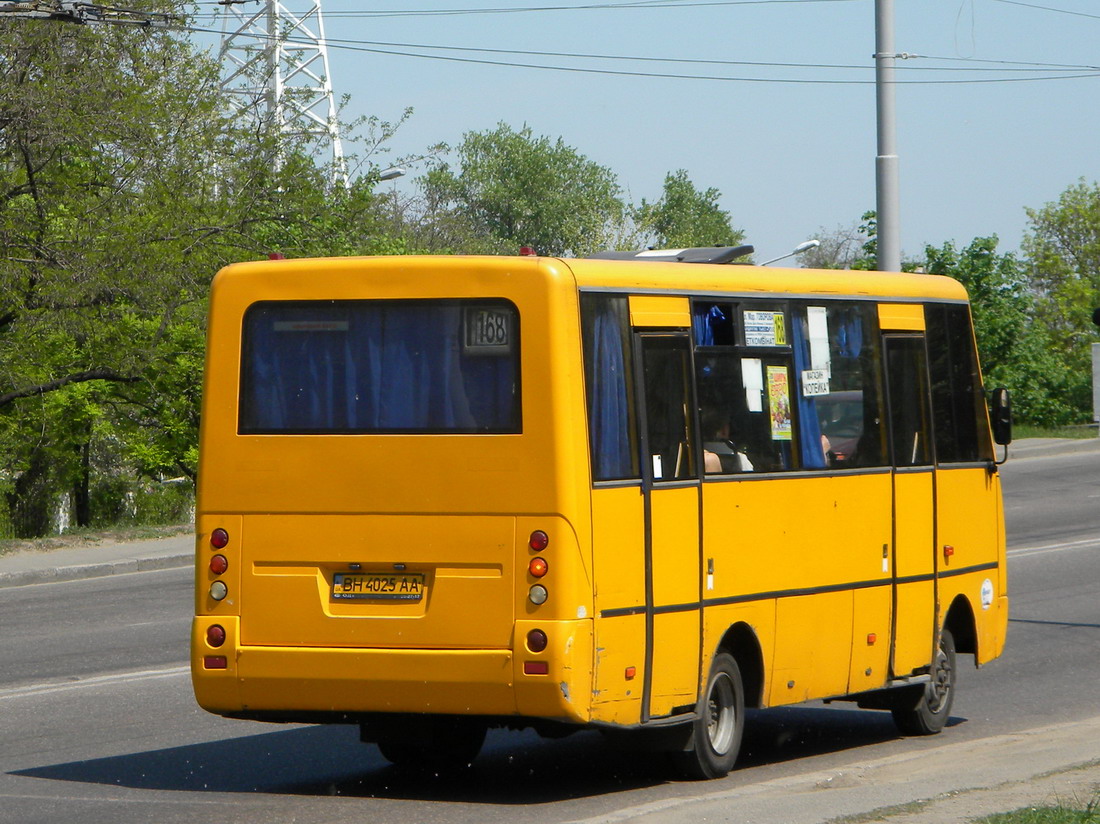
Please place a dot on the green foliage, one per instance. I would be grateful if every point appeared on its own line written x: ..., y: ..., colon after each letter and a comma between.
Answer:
x: 1063, y: 245
x: 1058, y: 814
x: 685, y: 216
x: 846, y: 247
x: 124, y: 186
x: 514, y: 189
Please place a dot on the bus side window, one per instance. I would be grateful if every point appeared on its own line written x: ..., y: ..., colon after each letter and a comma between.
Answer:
x: 723, y: 413
x: 609, y: 385
x: 958, y: 401
x: 840, y: 401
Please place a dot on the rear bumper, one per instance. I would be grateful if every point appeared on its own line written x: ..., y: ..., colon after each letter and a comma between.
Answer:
x: 286, y: 680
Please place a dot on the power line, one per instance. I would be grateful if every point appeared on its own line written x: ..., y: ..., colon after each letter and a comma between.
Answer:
x: 640, y: 5
x: 396, y: 51
x: 1049, y: 8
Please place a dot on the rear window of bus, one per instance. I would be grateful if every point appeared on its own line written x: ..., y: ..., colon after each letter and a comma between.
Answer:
x: 380, y: 366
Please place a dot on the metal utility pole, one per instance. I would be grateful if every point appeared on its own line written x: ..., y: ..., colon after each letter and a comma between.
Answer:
x: 887, y: 199
x: 277, y: 59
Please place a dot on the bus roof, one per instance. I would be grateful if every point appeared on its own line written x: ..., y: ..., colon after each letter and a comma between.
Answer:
x: 633, y: 276
x: 695, y: 278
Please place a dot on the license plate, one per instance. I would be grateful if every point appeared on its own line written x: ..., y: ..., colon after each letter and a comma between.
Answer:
x: 378, y: 586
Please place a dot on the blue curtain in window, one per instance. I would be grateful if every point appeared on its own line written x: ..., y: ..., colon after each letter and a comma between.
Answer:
x: 849, y: 333
x: 809, y: 427
x: 369, y: 367
x: 608, y: 398
x: 704, y: 318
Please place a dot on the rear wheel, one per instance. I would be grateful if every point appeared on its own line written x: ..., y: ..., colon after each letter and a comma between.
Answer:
x: 432, y: 743
x: 926, y: 713
x: 716, y: 731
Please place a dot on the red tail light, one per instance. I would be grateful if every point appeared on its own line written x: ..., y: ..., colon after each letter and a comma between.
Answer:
x: 539, y: 540
x: 536, y: 640
x: 219, y: 538
x: 219, y: 564
x: 215, y: 635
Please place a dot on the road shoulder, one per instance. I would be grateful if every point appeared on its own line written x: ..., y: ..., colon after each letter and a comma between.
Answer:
x: 953, y: 782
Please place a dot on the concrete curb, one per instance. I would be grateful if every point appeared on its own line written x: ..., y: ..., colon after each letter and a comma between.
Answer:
x: 1048, y: 447
x: 76, y: 572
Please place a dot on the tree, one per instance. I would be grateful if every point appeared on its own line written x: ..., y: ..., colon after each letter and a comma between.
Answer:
x: 514, y: 189
x: 1063, y: 246
x: 685, y: 216
x: 845, y: 247
x: 123, y: 188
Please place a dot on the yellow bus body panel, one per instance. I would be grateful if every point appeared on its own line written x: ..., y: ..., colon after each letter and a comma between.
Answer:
x: 967, y: 531
x: 914, y: 559
x: 901, y: 317
x: 653, y: 311
x: 619, y: 568
x: 675, y: 571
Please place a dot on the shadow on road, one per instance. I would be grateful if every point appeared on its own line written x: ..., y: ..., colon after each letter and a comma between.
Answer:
x: 514, y: 767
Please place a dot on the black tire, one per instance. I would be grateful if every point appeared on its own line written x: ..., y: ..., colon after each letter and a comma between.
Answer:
x: 716, y: 731
x: 926, y: 712
x: 432, y: 743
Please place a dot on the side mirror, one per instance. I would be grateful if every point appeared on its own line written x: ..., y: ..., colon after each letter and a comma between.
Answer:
x: 1000, y: 415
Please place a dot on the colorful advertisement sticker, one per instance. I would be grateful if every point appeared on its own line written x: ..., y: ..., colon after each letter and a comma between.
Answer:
x: 779, y: 403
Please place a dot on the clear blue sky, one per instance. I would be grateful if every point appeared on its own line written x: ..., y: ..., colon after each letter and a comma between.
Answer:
x: 789, y: 158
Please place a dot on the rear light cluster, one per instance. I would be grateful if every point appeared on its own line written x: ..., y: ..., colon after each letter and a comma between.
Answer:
x: 537, y: 567
x: 215, y: 634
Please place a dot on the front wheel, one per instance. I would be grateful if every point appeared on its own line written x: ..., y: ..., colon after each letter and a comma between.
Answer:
x: 716, y: 731
x: 928, y: 713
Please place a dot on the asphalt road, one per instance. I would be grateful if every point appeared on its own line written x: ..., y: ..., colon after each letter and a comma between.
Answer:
x: 97, y: 722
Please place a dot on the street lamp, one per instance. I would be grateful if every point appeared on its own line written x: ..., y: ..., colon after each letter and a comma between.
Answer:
x: 805, y: 246
x: 391, y: 173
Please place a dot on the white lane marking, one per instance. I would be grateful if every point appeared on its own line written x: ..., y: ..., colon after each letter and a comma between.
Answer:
x: 1087, y: 543
x: 93, y: 681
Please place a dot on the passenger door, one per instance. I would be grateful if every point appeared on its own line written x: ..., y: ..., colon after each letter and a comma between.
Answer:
x: 671, y: 484
x: 914, y: 539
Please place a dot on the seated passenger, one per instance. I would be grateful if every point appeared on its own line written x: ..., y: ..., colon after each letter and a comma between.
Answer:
x: 720, y: 454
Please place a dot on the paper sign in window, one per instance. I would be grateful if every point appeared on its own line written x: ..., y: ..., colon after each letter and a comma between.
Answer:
x: 815, y: 382
x: 752, y: 376
x: 817, y: 324
x: 765, y: 329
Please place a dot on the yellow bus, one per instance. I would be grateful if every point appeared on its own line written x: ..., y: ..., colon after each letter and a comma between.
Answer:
x: 444, y: 494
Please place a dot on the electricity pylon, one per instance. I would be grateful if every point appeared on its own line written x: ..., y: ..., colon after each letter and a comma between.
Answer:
x: 275, y: 62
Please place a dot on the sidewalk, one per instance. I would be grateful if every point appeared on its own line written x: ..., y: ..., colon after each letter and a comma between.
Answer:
x: 935, y: 781
x: 96, y: 560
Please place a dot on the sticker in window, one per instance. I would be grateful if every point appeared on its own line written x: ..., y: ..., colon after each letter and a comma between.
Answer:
x: 488, y: 330
x: 765, y: 329
x: 779, y: 403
